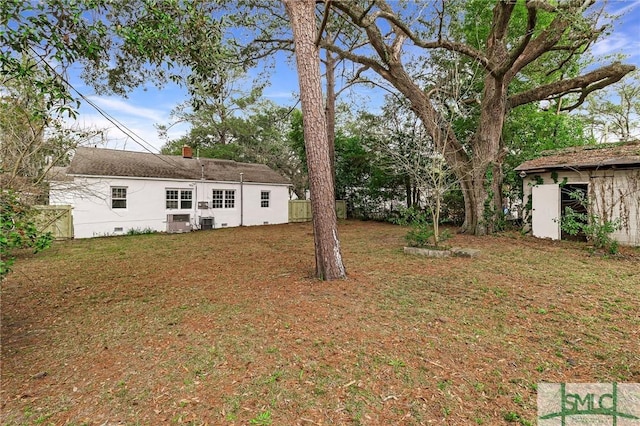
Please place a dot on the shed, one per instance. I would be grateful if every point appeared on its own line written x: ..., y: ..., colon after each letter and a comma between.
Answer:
x: 608, y: 176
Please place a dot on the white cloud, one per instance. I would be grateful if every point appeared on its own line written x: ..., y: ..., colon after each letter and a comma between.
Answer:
x: 119, y: 106
x: 615, y: 43
x: 289, y: 95
x: 624, y: 38
x: 133, y: 127
x: 113, y: 137
x: 627, y: 6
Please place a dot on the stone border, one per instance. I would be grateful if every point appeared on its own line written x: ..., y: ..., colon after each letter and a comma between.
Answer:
x: 455, y: 251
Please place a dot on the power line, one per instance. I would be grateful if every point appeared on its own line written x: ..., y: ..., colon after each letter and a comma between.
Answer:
x: 120, y: 126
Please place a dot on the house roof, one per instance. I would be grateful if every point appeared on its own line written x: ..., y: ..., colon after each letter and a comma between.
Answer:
x: 110, y: 162
x: 58, y: 174
x: 586, y: 157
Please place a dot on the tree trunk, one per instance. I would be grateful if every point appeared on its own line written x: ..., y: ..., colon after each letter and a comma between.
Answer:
x: 446, y: 143
x: 330, y: 111
x: 486, y: 172
x: 480, y: 176
x: 329, y: 264
x: 409, y: 191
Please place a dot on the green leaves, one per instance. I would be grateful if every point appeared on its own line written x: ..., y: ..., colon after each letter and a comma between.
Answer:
x: 597, y: 229
x: 530, y: 130
x: 121, y: 44
x: 17, y: 231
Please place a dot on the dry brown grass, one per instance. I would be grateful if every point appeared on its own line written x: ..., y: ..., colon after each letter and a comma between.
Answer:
x: 228, y: 327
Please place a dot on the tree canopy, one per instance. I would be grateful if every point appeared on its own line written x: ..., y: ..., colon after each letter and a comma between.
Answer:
x: 613, y: 114
x: 480, y: 58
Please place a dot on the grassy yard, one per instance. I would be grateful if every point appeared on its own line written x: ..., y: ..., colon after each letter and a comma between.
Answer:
x: 228, y: 327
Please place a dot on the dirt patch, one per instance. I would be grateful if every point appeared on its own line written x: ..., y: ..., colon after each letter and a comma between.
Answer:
x: 229, y: 327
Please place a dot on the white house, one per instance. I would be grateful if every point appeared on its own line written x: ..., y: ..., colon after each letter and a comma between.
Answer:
x: 114, y: 191
x: 608, y: 176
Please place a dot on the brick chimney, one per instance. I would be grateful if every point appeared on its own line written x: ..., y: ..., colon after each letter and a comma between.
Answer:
x: 187, y: 152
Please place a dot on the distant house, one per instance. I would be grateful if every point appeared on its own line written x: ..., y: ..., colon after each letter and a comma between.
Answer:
x: 113, y: 192
x: 608, y: 176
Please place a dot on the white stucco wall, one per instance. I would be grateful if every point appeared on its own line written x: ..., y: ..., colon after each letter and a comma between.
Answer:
x: 613, y: 194
x: 146, y: 204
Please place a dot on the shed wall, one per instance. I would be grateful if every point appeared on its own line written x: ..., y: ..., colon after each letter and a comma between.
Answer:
x: 613, y: 194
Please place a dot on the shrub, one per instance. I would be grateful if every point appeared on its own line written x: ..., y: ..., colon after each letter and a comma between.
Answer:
x: 406, y: 216
x: 139, y: 231
x: 17, y: 230
x: 594, y: 227
x: 453, y: 207
x: 422, y: 232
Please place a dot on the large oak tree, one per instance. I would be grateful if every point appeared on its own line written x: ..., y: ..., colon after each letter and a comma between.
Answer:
x: 517, y: 52
x: 522, y: 36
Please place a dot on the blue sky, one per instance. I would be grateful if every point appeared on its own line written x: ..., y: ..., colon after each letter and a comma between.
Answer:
x: 146, y: 107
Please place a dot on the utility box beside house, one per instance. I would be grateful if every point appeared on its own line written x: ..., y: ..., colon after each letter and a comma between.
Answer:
x: 607, y: 176
x: 178, y: 223
x: 207, y: 223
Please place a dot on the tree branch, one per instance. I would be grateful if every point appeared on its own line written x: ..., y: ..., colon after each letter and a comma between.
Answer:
x: 360, y: 59
x: 355, y: 79
x: 584, y: 84
x: 532, y: 18
x: 360, y: 18
x: 551, y: 36
x: 501, y: 17
x: 566, y: 60
x: 325, y: 19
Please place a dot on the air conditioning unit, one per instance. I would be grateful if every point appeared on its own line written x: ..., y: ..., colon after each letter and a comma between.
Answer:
x: 177, y: 223
x: 206, y: 223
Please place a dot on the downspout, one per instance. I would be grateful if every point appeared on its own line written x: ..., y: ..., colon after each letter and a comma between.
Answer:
x: 241, y: 199
x: 196, y: 221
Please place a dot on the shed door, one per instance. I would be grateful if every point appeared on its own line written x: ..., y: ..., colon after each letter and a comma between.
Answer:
x: 545, y: 217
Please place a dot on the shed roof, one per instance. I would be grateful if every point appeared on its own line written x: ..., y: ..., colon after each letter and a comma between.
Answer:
x: 110, y: 162
x: 586, y: 157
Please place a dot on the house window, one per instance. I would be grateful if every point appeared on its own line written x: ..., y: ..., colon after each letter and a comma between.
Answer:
x: 218, y: 197
x: 172, y: 198
x: 229, y: 199
x: 179, y: 198
x: 118, y: 197
x: 264, y: 198
x: 186, y: 199
x: 223, y: 199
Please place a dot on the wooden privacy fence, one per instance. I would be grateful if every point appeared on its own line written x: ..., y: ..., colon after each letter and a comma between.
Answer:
x: 55, y: 219
x: 300, y: 210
